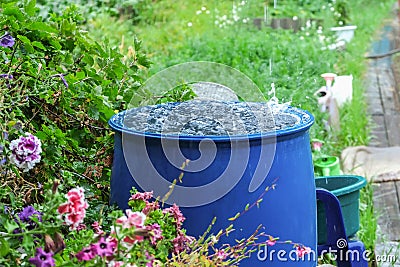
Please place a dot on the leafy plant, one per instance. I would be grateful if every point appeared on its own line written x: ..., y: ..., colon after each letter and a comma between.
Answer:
x: 63, y: 86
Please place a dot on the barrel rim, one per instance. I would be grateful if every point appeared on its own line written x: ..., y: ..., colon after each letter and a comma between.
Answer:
x: 306, y: 121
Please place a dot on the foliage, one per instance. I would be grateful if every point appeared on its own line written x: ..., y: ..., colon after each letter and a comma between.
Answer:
x: 63, y: 86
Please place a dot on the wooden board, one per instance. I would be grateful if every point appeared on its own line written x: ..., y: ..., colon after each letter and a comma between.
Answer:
x: 386, y: 204
x: 378, y: 132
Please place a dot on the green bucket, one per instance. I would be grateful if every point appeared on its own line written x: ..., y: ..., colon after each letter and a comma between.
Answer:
x: 347, y: 189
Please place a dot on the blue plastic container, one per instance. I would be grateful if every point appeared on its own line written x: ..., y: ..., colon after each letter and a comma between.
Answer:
x: 287, y: 212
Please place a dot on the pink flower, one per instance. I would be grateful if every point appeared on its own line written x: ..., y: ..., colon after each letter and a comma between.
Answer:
x: 155, y: 233
x: 142, y: 196
x: 131, y: 220
x: 42, y: 258
x: 150, y: 259
x: 85, y: 254
x: 103, y: 248
x: 74, y: 209
x: 271, y: 242
x: 150, y: 206
x: 97, y: 228
x: 316, y: 145
x: 221, y: 254
x: 181, y: 242
x: 176, y: 213
x: 80, y: 227
x: 302, y: 250
x: 25, y: 151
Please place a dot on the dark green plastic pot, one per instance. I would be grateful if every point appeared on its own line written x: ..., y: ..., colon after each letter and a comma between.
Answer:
x: 347, y: 189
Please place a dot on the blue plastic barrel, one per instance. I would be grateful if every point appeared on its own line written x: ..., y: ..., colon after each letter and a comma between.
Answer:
x: 287, y: 212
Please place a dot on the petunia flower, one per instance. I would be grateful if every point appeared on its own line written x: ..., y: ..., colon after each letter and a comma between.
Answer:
x: 42, y: 258
x: 27, y: 213
x: 86, y: 254
x: 103, y: 248
x: 131, y: 220
x: 7, y: 40
x: 74, y: 210
x: 25, y: 151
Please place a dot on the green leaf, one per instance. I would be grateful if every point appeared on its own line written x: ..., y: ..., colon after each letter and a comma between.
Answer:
x: 27, y: 242
x: 10, y: 226
x: 30, y: 8
x: 55, y: 44
x: 24, y: 39
x: 88, y: 60
x: 27, y: 43
x: 39, y: 45
x: 41, y: 26
x: 14, y: 11
x: 4, y: 247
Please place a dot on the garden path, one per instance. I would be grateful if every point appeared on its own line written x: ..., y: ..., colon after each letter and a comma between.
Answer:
x: 382, y: 95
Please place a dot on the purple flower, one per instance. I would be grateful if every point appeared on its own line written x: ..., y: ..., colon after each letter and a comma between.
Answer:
x: 25, y: 151
x: 5, y: 135
x: 42, y: 259
x: 6, y: 76
x: 85, y: 254
x: 62, y: 79
x: 27, y: 213
x: 7, y: 40
x: 103, y: 248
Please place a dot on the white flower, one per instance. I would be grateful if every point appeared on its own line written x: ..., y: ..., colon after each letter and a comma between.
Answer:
x: 190, y: 24
x: 25, y: 151
x: 198, y: 12
x: 203, y: 8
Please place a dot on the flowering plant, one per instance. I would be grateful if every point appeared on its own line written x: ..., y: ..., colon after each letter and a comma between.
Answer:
x: 55, y: 234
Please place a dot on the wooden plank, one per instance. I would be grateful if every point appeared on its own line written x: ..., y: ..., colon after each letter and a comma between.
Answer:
x: 378, y: 132
x: 388, y: 91
x: 372, y: 85
x: 375, y: 107
x: 386, y: 203
x: 392, y: 127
